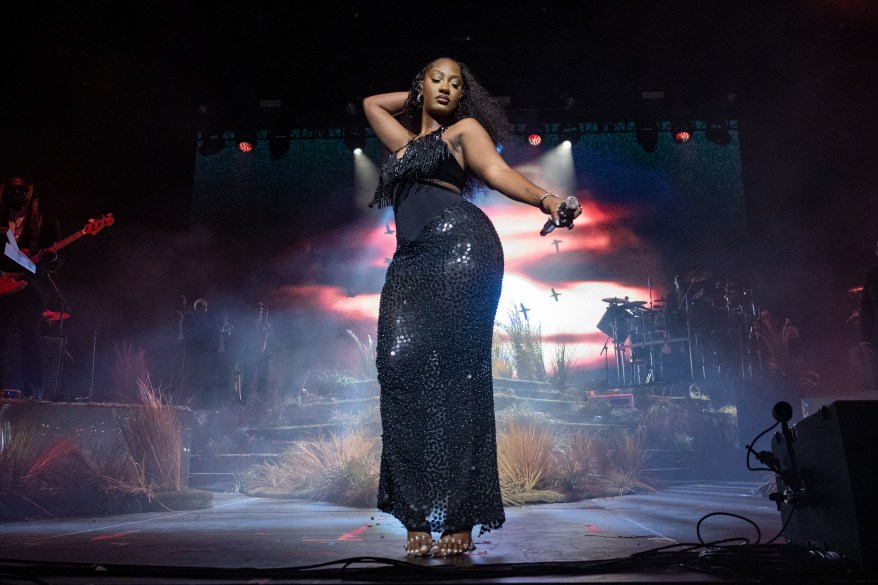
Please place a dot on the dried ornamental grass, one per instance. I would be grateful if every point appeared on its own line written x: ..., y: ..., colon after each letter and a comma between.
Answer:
x: 576, y: 468
x: 527, y: 347
x: 39, y: 479
x: 129, y: 368
x: 524, y: 453
x: 561, y: 368
x: 627, y: 466
x: 501, y: 360
x: 153, y: 434
x: 367, y: 353
x: 341, y: 469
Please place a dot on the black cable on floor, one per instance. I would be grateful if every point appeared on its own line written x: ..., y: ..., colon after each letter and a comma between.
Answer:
x: 768, y: 563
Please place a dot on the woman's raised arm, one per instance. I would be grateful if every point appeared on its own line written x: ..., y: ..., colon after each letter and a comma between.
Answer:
x: 380, y: 111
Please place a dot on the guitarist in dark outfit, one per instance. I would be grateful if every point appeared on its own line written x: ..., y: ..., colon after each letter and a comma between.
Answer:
x: 22, y: 310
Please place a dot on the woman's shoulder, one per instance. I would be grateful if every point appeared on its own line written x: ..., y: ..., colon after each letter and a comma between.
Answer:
x: 462, y: 127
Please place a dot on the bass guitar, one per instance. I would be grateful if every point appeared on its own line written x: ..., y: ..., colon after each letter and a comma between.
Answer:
x: 13, y: 282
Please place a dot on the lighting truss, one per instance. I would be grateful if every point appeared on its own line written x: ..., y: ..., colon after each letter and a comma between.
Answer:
x: 611, y: 127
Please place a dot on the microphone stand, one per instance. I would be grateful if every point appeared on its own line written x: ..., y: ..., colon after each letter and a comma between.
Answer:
x: 65, y: 308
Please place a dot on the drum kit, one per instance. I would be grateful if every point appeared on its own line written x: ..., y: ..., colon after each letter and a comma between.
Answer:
x: 704, y: 328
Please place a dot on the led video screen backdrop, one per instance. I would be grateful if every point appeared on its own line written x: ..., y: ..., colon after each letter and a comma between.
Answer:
x: 299, y: 235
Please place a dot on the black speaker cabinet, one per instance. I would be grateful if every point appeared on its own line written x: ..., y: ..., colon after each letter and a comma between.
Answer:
x: 51, y: 363
x: 836, y: 455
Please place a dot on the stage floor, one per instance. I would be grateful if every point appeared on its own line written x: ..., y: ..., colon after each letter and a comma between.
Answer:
x: 241, y: 539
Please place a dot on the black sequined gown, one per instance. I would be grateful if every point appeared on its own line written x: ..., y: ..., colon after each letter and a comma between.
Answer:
x: 435, y: 325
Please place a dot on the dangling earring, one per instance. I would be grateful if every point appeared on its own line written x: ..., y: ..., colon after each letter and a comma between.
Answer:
x: 419, y: 99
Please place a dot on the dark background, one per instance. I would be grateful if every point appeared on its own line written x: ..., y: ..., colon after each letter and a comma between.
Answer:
x: 101, y: 103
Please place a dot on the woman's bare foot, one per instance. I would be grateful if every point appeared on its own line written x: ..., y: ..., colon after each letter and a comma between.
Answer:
x: 418, y: 544
x: 454, y: 543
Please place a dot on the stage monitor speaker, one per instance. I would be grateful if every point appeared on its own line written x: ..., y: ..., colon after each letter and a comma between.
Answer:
x: 833, y: 459
x: 51, y: 363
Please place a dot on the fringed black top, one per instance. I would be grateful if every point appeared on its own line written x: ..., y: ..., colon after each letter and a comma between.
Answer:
x: 426, y: 157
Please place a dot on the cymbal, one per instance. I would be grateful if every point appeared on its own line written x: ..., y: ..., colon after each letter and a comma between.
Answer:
x: 54, y: 316
x: 856, y: 290
x: 632, y: 304
x: 614, y: 300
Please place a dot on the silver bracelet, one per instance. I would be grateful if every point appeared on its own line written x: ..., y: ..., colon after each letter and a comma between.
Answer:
x: 543, y: 198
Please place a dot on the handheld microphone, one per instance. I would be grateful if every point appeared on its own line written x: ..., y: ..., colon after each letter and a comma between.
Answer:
x: 565, y: 216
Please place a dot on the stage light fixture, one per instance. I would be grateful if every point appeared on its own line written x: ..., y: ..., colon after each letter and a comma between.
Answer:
x: 352, y: 108
x: 355, y: 139
x: 647, y: 135
x: 534, y: 134
x: 570, y: 133
x: 718, y: 132
x: 568, y: 100
x: 681, y: 131
x: 211, y: 143
x: 245, y: 140
x: 278, y: 143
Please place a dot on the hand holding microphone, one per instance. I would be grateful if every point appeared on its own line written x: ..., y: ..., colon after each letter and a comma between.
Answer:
x: 566, y: 212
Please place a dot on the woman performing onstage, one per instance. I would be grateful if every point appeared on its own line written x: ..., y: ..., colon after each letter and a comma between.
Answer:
x: 437, y: 309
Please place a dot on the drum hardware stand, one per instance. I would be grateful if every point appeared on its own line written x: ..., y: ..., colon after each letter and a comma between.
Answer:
x: 744, y: 373
x: 619, y: 349
x: 748, y: 335
x: 754, y: 337
x: 238, y: 389
x: 650, y: 372
x: 646, y: 344
x: 609, y: 325
x: 689, y: 331
x: 650, y: 375
x: 606, y: 355
x: 689, y: 335
x: 756, y: 333
x: 754, y: 330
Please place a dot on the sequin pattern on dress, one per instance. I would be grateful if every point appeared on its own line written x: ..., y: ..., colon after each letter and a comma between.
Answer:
x: 435, y: 326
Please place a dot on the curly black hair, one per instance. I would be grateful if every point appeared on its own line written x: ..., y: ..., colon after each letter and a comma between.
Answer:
x: 475, y: 102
